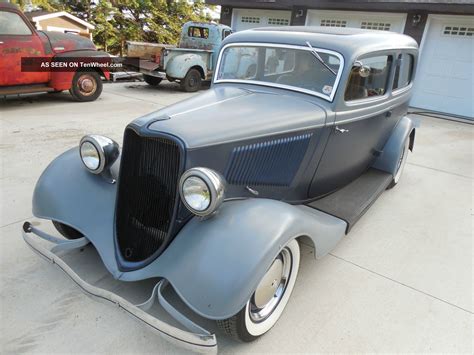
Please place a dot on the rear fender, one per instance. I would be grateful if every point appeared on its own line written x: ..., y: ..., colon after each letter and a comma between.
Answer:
x: 178, y: 66
x: 388, y: 160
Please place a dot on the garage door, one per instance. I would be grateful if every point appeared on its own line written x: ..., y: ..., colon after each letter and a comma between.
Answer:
x: 369, y: 20
x: 244, y: 19
x: 444, y: 80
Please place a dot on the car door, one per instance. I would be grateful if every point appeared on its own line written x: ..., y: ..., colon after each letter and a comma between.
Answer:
x: 361, y: 129
x: 17, y: 40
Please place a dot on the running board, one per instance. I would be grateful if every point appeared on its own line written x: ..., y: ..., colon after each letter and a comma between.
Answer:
x: 24, y: 89
x: 353, y: 200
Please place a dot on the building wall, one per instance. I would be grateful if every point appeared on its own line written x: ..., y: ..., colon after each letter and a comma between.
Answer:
x: 64, y: 22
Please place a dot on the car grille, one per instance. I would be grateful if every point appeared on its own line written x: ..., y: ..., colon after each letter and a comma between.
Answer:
x: 147, y: 192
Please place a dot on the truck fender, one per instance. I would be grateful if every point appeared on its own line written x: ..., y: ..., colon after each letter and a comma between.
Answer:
x: 178, y: 66
x: 215, y: 265
x: 388, y: 160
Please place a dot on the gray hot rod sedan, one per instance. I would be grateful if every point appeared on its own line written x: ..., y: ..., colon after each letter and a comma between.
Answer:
x: 302, y: 129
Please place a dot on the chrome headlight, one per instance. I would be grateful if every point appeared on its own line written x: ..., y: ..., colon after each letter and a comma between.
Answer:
x: 98, y: 152
x: 202, y: 190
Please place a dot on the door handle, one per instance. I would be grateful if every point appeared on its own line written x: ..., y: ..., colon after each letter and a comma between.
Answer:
x: 341, y: 130
x: 1, y: 42
x: 388, y: 114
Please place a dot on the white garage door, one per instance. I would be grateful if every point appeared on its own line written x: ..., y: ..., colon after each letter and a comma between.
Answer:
x: 244, y: 19
x: 444, y: 80
x: 369, y: 20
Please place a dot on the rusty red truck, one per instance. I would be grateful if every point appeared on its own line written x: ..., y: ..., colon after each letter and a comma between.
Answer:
x: 20, y: 41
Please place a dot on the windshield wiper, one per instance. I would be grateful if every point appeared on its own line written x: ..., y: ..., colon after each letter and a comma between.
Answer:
x: 318, y: 57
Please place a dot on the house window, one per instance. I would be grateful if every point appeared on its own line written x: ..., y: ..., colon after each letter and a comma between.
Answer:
x: 368, y: 78
x: 458, y: 31
x: 250, y: 19
x: 278, y: 21
x: 403, y: 71
x: 198, y: 32
x: 381, y: 26
x: 333, y: 23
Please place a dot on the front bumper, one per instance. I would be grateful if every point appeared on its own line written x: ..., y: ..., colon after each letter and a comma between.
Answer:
x: 196, y: 339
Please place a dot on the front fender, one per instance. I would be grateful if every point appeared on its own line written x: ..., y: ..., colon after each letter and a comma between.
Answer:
x: 213, y: 264
x: 178, y: 66
x: 216, y: 264
x: 388, y: 160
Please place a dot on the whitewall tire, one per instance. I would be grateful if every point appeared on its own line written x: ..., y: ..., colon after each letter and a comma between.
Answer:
x: 267, y: 303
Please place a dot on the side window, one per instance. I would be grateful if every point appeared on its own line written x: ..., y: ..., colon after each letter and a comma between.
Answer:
x: 12, y: 24
x: 198, y: 32
x: 403, y: 71
x: 225, y: 33
x: 368, y: 78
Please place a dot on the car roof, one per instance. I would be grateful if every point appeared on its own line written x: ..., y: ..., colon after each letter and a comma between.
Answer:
x: 347, y: 41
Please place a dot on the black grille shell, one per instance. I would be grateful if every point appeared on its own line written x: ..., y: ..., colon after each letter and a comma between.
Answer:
x: 147, y: 195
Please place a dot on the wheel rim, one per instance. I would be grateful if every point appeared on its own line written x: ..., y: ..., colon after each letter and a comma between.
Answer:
x: 401, y: 162
x: 86, y: 85
x: 192, y: 81
x: 271, y: 288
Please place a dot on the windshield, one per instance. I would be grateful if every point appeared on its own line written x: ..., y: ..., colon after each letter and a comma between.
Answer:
x: 306, y: 69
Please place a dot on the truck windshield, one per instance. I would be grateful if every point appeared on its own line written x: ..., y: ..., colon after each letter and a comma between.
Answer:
x: 306, y: 69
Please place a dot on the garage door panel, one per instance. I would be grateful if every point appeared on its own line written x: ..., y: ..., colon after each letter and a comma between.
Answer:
x: 444, y: 80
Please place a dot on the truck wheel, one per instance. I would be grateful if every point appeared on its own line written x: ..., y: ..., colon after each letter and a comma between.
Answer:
x: 401, y: 163
x: 66, y: 231
x: 152, y: 80
x: 86, y: 86
x: 192, y: 81
x: 269, y: 299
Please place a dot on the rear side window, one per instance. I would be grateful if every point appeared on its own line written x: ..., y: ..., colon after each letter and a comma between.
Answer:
x: 403, y: 71
x: 12, y: 24
x: 368, y: 78
x: 198, y: 32
x: 225, y: 33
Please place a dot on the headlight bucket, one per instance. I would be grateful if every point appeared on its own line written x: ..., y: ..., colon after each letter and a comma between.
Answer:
x: 206, y: 182
x: 106, y: 152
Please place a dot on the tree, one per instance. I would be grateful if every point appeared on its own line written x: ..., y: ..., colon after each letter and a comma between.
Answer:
x: 130, y: 20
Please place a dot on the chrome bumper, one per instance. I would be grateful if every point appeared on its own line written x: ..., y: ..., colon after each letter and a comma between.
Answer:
x: 197, y: 339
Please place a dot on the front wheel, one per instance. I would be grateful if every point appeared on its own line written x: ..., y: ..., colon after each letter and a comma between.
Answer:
x: 86, y: 86
x: 192, y: 81
x: 269, y: 300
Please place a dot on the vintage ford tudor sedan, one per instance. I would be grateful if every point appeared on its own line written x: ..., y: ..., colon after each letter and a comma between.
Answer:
x: 302, y: 129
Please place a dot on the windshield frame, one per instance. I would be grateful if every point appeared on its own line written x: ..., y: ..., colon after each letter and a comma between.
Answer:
x: 329, y: 98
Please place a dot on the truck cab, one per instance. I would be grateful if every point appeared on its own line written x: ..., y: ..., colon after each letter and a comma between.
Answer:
x: 191, y: 63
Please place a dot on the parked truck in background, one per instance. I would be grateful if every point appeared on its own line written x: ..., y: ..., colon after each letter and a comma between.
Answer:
x: 191, y: 63
x: 20, y: 40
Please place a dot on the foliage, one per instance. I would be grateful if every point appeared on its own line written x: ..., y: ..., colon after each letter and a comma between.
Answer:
x: 115, y: 21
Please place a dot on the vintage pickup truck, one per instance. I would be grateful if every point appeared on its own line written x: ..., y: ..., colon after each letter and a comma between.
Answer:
x: 190, y: 63
x: 20, y: 40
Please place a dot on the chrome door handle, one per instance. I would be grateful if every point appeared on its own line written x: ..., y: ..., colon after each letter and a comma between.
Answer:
x: 341, y: 130
x: 1, y: 42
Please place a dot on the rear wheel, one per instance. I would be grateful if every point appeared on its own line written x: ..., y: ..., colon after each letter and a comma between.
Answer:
x: 266, y: 305
x: 86, y: 86
x: 152, y: 80
x: 402, y: 160
x: 66, y: 231
x: 192, y: 81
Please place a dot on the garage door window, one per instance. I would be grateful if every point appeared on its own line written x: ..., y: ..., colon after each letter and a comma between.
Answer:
x: 368, y: 78
x: 278, y: 21
x: 333, y: 23
x: 381, y: 26
x: 250, y: 19
x: 403, y: 71
x: 458, y: 31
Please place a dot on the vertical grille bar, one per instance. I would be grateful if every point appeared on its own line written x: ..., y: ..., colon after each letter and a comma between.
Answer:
x: 147, y: 191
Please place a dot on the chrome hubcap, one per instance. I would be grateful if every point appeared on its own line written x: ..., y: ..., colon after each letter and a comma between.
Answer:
x: 271, y: 288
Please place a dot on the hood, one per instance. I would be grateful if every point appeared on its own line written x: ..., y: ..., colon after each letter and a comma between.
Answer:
x: 224, y: 114
x: 62, y: 42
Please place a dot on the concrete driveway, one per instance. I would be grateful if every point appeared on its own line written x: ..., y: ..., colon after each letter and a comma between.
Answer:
x: 402, y: 281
